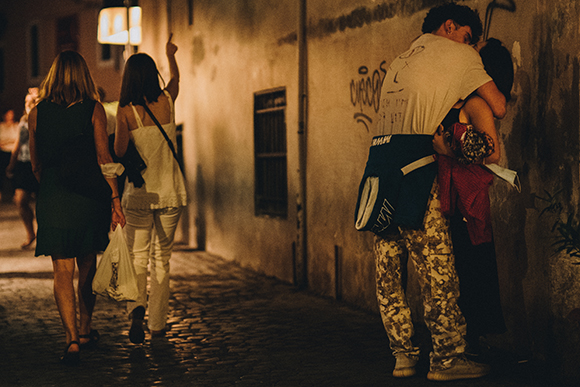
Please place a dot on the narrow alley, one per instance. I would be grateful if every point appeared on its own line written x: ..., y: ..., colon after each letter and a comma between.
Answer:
x: 228, y: 327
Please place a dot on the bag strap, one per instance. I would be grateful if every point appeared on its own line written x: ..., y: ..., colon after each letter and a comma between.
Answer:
x: 164, y: 134
x: 418, y: 164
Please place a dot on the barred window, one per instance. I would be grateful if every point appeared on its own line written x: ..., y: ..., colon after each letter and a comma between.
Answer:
x: 271, y: 186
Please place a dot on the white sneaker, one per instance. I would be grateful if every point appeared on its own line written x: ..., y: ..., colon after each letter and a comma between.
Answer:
x: 405, y: 366
x: 460, y: 368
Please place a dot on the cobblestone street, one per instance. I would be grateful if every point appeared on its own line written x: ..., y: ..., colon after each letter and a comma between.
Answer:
x: 228, y: 327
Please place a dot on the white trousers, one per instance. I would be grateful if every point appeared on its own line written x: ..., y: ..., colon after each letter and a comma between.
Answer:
x: 150, y: 235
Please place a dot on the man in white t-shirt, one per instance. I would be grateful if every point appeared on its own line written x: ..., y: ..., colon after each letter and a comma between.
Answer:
x: 419, y: 89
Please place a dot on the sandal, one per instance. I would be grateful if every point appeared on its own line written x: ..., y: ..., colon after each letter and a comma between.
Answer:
x: 71, y: 358
x: 28, y: 244
x: 160, y: 333
x: 136, y: 333
x: 93, y: 337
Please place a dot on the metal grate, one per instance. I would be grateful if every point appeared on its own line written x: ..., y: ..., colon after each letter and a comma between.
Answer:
x: 271, y: 186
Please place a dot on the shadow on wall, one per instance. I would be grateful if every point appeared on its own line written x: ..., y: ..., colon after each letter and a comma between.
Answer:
x: 200, y: 224
x: 543, y: 147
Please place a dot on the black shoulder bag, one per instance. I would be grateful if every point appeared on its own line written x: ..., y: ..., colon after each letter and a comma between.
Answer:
x: 164, y: 135
x: 132, y: 161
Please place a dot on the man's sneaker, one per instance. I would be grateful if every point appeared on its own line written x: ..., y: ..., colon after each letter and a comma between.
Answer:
x: 405, y: 366
x: 460, y: 368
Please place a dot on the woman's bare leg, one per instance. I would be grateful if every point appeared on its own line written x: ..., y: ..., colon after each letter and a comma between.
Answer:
x: 64, y: 294
x: 87, y: 267
x: 22, y: 200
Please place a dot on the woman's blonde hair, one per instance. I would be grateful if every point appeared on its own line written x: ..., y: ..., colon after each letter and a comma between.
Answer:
x: 69, y: 80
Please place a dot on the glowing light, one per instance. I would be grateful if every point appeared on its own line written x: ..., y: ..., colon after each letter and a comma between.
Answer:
x: 113, y: 26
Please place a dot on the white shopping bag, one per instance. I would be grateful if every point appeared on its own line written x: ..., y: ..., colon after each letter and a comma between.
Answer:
x: 115, y: 277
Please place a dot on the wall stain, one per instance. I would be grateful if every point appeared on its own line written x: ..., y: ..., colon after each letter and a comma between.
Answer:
x: 198, y: 50
x: 557, y: 119
x: 246, y: 19
x: 360, y: 17
x: 543, y: 146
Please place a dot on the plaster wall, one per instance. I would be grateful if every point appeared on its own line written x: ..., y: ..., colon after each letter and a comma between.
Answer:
x: 230, y: 52
x: 235, y: 48
x: 230, y: 49
x: 540, y: 135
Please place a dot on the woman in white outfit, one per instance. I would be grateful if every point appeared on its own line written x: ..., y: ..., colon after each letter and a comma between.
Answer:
x: 152, y: 210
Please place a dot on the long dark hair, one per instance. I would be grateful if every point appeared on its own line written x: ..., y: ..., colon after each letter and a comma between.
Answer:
x: 498, y: 63
x: 140, y: 81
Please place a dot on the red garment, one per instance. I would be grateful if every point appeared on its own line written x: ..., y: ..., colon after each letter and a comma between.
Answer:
x: 467, y: 188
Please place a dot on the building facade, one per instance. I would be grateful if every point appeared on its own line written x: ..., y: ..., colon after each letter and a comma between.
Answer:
x: 277, y: 104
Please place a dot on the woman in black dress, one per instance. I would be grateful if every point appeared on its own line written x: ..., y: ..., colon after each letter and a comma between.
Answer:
x: 71, y: 226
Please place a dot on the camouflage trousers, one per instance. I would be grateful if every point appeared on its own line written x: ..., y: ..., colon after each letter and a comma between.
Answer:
x: 431, y: 252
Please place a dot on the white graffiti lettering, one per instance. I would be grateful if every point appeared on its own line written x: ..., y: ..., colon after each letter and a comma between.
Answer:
x: 381, y: 140
x: 385, y: 217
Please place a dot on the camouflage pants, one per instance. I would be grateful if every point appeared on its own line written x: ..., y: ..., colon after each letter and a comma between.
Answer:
x: 431, y: 252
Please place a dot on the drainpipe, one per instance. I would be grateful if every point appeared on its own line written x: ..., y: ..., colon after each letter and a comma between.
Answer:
x: 301, y: 267
x: 128, y: 48
x: 169, y: 18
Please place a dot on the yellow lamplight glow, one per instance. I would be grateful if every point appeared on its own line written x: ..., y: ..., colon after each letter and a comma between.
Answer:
x: 113, y: 26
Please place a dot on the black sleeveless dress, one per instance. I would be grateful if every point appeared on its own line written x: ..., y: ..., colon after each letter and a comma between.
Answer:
x: 69, y: 225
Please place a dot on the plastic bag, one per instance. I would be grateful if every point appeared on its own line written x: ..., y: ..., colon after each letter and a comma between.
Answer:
x: 115, y: 277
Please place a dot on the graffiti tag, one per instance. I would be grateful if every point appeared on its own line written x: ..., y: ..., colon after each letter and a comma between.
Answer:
x: 366, y: 92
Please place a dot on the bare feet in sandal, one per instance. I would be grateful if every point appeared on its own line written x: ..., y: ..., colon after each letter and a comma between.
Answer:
x: 89, y: 340
x: 71, y: 356
x: 28, y: 244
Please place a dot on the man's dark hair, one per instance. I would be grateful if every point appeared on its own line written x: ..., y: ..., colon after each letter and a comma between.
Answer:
x: 460, y: 14
x: 498, y: 63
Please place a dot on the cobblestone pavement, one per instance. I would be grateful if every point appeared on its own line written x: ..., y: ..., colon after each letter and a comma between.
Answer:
x: 228, y: 327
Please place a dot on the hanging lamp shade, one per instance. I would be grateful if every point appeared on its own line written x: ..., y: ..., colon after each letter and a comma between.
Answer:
x: 113, y: 26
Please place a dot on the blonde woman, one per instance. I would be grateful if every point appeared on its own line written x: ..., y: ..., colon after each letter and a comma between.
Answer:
x: 72, y: 227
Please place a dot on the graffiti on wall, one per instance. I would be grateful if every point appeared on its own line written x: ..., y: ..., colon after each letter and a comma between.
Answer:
x: 365, y: 93
x: 365, y: 89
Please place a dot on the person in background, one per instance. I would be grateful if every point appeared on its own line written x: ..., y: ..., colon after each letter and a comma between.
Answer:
x: 8, y: 136
x: 110, y: 111
x: 25, y: 184
x: 471, y: 231
x: 419, y: 89
x: 152, y: 210
x: 72, y: 227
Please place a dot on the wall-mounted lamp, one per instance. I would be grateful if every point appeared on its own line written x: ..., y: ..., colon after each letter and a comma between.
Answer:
x: 113, y: 26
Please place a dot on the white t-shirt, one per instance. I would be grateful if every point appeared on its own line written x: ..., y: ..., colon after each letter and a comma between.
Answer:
x: 424, y: 83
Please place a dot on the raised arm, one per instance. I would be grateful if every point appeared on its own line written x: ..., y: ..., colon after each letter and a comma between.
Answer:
x: 173, y: 85
x: 494, y: 98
